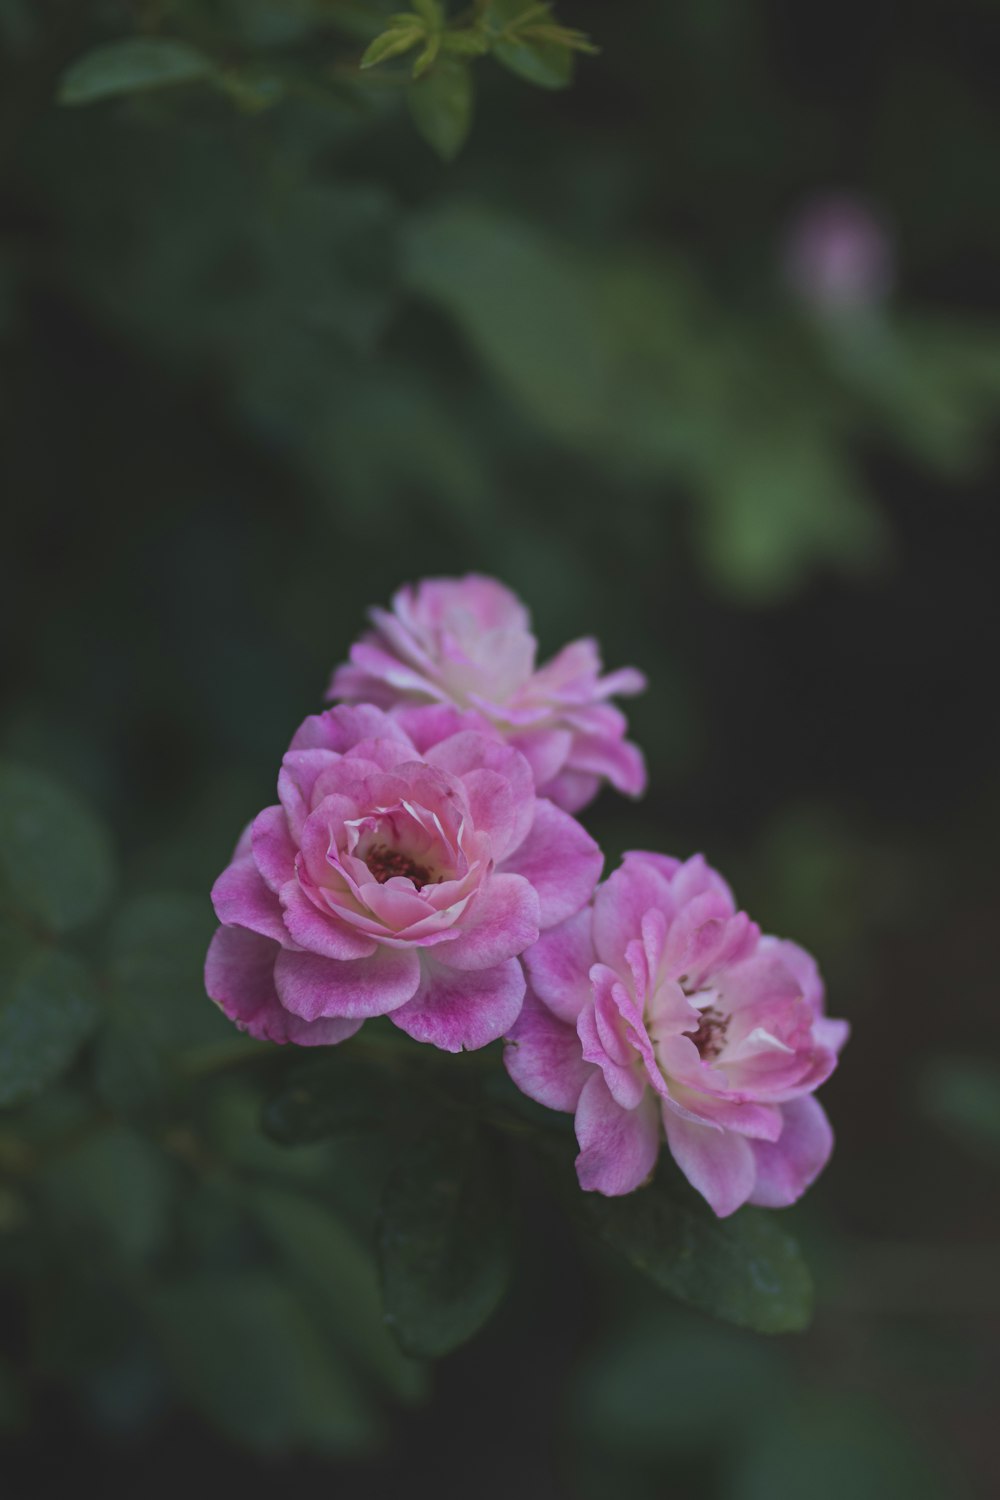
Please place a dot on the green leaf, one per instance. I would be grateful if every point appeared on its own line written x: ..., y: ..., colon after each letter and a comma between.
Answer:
x: 250, y: 1358
x: 156, y: 959
x: 444, y: 1241
x: 392, y: 43
x: 56, y: 862
x: 831, y: 1445
x: 339, y: 1280
x: 743, y: 1269
x: 666, y: 1381
x: 341, y: 1095
x: 962, y: 1095
x: 129, y: 67
x: 545, y: 64
x: 47, y: 1011
x: 441, y: 106
x: 111, y: 1192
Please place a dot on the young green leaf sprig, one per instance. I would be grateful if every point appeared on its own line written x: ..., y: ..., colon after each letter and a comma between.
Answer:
x: 523, y: 38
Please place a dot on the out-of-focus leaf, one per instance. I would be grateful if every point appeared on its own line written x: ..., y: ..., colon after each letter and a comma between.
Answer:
x: 962, y: 1095
x: 339, y: 1280
x: 131, y: 66
x: 662, y: 1384
x: 392, y: 43
x: 743, y: 1269
x: 156, y: 960
x: 830, y: 1447
x: 249, y: 1356
x: 56, y: 862
x: 441, y: 105
x: 47, y: 1010
x: 339, y: 1095
x: 13, y: 1407
x: 542, y: 63
x: 444, y: 1239
x: 775, y: 504
x: 112, y: 1192
x: 527, y: 308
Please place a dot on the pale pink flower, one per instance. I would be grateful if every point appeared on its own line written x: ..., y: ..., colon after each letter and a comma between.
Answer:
x: 838, y: 256
x: 387, y: 882
x: 465, y: 644
x: 661, y: 1011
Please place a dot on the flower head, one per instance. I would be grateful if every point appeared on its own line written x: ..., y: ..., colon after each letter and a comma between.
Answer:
x: 466, y: 645
x: 386, y: 881
x: 662, y: 1011
x: 838, y: 256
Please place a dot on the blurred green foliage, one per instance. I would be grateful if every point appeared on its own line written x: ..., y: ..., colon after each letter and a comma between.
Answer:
x: 263, y: 356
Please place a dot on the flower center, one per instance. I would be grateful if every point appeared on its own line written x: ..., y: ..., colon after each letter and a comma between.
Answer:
x: 710, y: 1038
x: 384, y: 863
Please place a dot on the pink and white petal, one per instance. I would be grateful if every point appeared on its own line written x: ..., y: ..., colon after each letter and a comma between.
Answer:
x: 242, y: 899
x: 695, y: 876
x: 831, y: 1034
x: 571, y: 790
x: 313, y: 987
x: 624, y: 683
x: 543, y: 1057
x: 239, y: 977
x: 497, y: 811
x: 321, y: 932
x: 545, y: 750
x: 343, y: 727
x: 618, y: 1147
x: 500, y: 923
x: 802, y: 965
x: 561, y: 861
x: 244, y: 844
x: 463, y: 1010
x: 718, y: 1163
x: 428, y: 724
x: 273, y: 847
x: 788, y: 1166
x: 296, y: 780
x: 617, y: 761
x: 760, y: 1122
x: 620, y: 904
x: 559, y: 966
x: 626, y: 1082
x: 471, y: 751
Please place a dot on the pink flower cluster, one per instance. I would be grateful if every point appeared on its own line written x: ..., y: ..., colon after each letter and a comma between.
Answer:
x: 422, y: 862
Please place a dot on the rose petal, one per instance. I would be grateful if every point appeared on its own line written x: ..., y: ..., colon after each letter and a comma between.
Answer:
x: 559, y: 966
x: 463, y: 1009
x: 501, y: 923
x: 718, y: 1163
x: 787, y: 1167
x: 273, y: 847
x: 239, y: 977
x: 321, y: 933
x: 543, y: 1057
x: 310, y: 986
x: 618, y: 1147
x: 620, y: 905
x: 242, y: 899
x: 561, y: 861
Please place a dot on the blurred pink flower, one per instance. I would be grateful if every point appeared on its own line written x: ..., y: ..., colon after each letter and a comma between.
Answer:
x: 465, y: 645
x: 661, y: 1010
x: 389, y: 882
x: 838, y: 255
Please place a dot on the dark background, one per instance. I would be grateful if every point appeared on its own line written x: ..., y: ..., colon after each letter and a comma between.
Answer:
x: 259, y: 369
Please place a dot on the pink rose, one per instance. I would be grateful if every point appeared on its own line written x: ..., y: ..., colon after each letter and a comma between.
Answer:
x: 661, y: 1010
x: 386, y: 882
x: 466, y: 644
x: 838, y: 256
